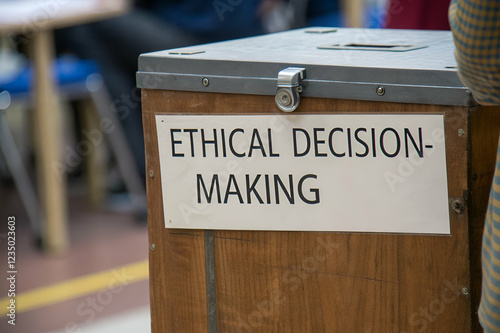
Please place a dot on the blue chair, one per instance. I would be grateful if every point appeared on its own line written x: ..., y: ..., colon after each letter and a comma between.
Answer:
x: 77, y: 79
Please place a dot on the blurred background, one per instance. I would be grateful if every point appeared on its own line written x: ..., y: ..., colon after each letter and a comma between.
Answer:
x: 72, y: 173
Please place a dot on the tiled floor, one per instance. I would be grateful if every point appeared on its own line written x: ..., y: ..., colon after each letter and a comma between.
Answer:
x: 133, y: 321
x: 101, y: 240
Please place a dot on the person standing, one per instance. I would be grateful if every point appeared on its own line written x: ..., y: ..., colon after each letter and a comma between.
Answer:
x: 476, y: 30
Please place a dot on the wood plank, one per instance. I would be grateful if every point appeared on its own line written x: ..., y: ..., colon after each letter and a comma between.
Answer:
x: 177, y: 265
x: 484, y: 129
x: 365, y: 283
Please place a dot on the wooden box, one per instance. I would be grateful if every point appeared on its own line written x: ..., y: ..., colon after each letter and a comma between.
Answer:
x: 205, y: 280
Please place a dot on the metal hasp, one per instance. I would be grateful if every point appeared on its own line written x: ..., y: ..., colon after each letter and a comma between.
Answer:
x: 289, y: 87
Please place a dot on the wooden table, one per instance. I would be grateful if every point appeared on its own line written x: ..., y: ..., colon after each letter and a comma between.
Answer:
x: 36, y: 21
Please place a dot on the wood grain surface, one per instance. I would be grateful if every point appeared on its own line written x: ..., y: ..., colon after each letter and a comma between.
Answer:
x: 485, y: 126
x: 314, y: 281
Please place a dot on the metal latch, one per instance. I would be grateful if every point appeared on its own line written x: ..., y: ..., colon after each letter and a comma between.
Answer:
x: 289, y: 86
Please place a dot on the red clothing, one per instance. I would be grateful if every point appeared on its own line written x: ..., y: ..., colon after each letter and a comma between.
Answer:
x: 418, y: 14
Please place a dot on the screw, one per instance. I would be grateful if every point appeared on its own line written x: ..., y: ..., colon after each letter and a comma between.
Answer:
x: 474, y: 177
x: 457, y: 205
x: 461, y: 132
x: 465, y: 291
x: 380, y: 90
x: 151, y: 173
x: 153, y: 247
x: 205, y: 82
x: 285, y: 99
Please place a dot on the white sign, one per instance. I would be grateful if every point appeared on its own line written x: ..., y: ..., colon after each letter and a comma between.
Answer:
x: 351, y: 173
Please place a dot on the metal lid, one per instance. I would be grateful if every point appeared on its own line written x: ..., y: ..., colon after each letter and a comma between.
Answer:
x: 408, y: 66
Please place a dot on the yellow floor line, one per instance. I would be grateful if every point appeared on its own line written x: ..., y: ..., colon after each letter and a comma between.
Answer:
x: 113, y: 280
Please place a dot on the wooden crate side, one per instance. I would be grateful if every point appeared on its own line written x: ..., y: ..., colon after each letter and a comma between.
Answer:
x: 484, y: 129
x: 320, y: 282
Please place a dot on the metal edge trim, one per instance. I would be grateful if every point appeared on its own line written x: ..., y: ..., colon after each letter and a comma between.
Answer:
x: 435, y: 95
x: 210, y: 276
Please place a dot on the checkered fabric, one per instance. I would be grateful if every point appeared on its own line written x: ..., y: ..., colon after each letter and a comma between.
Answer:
x: 476, y: 30
x: 489, y: 309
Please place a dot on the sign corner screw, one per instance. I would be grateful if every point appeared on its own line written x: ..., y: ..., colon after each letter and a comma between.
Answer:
x: 153, y: 247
